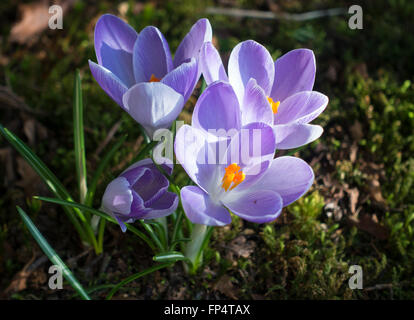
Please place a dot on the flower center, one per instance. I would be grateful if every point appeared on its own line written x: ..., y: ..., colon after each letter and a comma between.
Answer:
x: 274, y: 105
x: 234, y: 175
x: 154, y: 78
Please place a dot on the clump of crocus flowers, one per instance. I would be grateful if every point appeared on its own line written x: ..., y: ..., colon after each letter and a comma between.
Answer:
x: 240, y: 121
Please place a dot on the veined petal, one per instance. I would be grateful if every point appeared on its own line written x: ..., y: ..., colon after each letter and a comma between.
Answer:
x: 151, y: 55
x: 109, y: 82
x: 290, y: 177
x: 211, y: 65
x: 217, y: 108
x: 200, y: 209
x: 290, y: 136
x: 153, y: 104
x: 255, y: 143
x: 114, y: 42
x: 118, y: 197
x: 301, y: 107
x: 255, y: 106
x: 250, y: 59
x: 294, y: 72
x: 256, y: 206
x: 189, y: 48
x: 164, y: 206
x: 183, y: 79
x: 198, y: 158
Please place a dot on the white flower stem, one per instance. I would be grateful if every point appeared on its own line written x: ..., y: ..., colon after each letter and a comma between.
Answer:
x: 194, y: 248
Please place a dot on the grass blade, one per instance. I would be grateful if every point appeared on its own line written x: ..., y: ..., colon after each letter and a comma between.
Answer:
x: 52, y: 255
x: 100, y: 214
x: 48, y: 177
x: 171, y: 256
x: 78, y: 136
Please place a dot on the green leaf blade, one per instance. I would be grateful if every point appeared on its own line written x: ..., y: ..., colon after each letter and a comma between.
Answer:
x: 51, y: 254
x: 79, y: 140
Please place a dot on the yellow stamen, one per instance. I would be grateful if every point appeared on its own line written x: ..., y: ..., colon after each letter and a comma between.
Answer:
x: 233, y: 175
x: 154, y: 78
x: 274, y: 105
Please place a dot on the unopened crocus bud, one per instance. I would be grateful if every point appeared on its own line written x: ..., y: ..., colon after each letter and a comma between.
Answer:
x: 140, y: 192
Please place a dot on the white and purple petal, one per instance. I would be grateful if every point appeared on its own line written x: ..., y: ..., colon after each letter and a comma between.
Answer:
x: 164, y: 206
x: 195, y: 153
x: 200, y: 209
x: 190, y: 47
x: 250, y: 59
x: 211, y: 65
x: 256, y: 206
x: 301, y: 107
x: 217, y: 108
x: 290, y: 177
x: 294, y: 135
x: 255, y: 106
x: 151, y: 55
x: 114, y: 42
x: 183, y: 79
x: 154, y: 105
x: 294, y: 72
x: 109, y: 82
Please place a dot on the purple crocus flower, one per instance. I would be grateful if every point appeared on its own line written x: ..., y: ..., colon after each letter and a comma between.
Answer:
x: 140, y: 192
x: 256, y: 188
x: 126, y: 58
x: 286, y: 84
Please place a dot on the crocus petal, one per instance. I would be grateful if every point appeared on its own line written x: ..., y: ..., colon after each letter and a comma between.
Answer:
x: 301, y: 107
x: 168, y: 167
x: 154, y: 105
x: 190, y: 46
x: 290, y: 177
x: 253, y: 144
x: 164, y: 206
x: 256, y: 206
x: 118, y: 197
x: 151, y: 55
x: 294, y: 72
x: 200, y: 209
x: 183, y: 79
x: 151, y: 186
x: 194, y: 153
x: 255, y: 106
x: 211, y: 65
x: 250, y: 59
x: 252, y: 149
x: 114, y: 42
x: 289, y: 136
x: 217, y: 108
x: 108, y: 82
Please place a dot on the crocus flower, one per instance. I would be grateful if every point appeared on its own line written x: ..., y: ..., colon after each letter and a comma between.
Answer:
x: 140, y: 192
x: 126, y: 58
x: 255, y: 188
x: 286, y: 84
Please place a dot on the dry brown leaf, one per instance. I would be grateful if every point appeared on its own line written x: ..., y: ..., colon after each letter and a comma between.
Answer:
x: 371, y: 225
x: 353, y: 199
x: 375, y: 191
x: 35, y: 19
x: 225, y: 286
x: 19, y: 281
x: 241, y: 247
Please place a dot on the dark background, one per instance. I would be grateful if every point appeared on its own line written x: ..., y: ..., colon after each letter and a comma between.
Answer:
x: 360, y: 209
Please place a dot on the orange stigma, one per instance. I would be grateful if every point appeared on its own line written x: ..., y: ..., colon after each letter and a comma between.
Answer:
x: 274, y: 105
x: 154, y: 79
x: 233, y: 175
